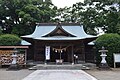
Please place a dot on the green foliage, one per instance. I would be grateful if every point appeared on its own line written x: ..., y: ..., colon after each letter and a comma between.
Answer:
x: 9, y: 39
x: 21, y: 29
x: 94, y: 14
x: 111, y: 42
x: 25, y: 14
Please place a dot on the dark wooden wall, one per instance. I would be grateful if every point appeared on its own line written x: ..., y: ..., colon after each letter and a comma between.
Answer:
x: 84, y: 52
x: 89, y: 53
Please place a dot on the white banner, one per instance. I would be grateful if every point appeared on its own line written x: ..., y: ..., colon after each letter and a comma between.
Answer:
x: 47, y: 52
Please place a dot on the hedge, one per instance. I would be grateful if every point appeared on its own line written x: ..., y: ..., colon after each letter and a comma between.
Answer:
x: 9, y: 39
x: 111, y: 42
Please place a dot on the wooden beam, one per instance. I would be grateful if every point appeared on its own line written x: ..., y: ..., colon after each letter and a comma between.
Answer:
x: 23, y: 47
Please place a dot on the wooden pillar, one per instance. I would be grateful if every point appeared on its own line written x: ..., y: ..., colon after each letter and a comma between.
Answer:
x: 34, y: 50
x: 72, y: 55
x: 69, y: 54
x: 37, y: 55
x: 83, y: 54
x: 83, y: 51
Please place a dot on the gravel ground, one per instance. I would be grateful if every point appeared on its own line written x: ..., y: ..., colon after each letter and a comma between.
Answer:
x: 114, y: 74
x: 14, y: 75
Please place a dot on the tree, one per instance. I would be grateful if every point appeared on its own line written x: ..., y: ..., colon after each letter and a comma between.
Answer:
x: 108, y: 14
x: 24, y: 14
x: 95, y: 15
x: 79, y: 13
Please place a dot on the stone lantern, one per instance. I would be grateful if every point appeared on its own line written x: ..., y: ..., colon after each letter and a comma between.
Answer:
x: 14, y: 65
x: 103, y: 64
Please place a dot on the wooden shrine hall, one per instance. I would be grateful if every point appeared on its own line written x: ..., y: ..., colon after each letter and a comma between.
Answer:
x: 54, y: 42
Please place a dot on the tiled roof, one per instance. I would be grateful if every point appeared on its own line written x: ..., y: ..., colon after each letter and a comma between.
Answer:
x: 44, y: 29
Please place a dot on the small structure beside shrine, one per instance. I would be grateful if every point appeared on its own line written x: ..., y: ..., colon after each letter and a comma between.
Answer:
x: 6, y: 55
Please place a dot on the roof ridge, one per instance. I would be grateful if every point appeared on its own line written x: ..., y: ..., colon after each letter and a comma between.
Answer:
x: 56, y: 24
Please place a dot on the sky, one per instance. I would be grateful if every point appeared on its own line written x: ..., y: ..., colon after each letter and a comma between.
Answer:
x: 63, y: 3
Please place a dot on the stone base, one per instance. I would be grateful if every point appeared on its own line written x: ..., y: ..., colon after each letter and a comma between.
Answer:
x: 14, y: 67
x: 104, y: 66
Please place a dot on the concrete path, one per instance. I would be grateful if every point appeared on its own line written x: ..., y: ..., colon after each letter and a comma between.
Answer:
x: 59, y: 75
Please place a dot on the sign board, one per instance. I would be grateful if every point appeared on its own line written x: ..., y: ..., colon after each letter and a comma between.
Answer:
x: 116, y: 58
x: 47, y: 52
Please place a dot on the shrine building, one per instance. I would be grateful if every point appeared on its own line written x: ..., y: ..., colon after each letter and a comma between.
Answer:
x: 62, y: 41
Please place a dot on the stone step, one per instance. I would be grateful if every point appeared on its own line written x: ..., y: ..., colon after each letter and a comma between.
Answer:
x: 64, y: 67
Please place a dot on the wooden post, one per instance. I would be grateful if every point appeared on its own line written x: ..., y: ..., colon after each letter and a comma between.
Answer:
x: 72, y: 55
x: 114, y: 65
x: 83, y: 51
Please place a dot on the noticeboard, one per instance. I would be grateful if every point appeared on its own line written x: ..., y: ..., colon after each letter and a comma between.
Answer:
x: 116, y: 58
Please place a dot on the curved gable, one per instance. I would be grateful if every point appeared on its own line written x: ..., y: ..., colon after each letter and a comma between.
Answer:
x: 59, y: 31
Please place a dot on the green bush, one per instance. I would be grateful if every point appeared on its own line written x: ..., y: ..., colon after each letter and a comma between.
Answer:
x: 111, y: 42
x: 9, y: 39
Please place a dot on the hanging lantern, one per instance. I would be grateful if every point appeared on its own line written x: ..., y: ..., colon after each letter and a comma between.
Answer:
x: 56, y: 51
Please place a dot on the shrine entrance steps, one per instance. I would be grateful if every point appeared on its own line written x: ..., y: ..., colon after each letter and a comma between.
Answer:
x: 85, y: 66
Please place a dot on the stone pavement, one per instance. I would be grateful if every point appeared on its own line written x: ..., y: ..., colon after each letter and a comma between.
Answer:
x: 59, y: 75
x: 113, y: 74
x: 14, y: 75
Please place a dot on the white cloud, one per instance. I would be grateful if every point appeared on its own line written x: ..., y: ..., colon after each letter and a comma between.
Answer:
x: 63, y: 3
